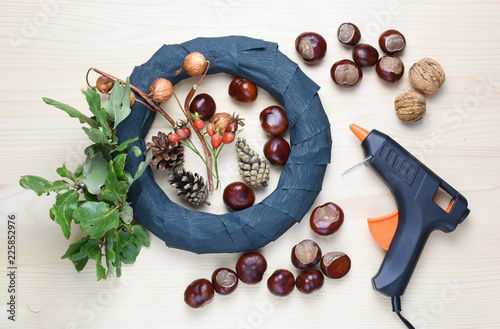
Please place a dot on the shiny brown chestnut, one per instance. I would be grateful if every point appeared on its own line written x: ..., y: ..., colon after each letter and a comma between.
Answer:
x: 346, y: 73
x: 238, y: 196
x: 306, y: 254
x: 311, y: 46
x: 309, y: 281
x: 204, y: 105
x: 243, y: 90
x: 335, y: 264
x: 277, y: 151
x: 281, y: 283
x: 251, y: 267
x: 273, y: 120
x: 392, y: 42
x: 224, y: 281
x: 326, y: 219
x: 365, y: 55
x: 199, y: 293
x: 390, y: 69
x: 348, y: 34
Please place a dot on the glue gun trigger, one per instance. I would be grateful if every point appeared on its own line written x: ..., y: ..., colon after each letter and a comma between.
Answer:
x: 383, y: 228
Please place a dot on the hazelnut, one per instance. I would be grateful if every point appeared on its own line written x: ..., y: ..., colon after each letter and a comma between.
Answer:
x: 390, y: 69
x: 306, y: 254
x: 221, y: 120
x: 104, y: 84
x: 132, y: 98
x: 195, y: 64
x: 426, y: 76
x: 346, y: 73
x: 410, y: 106
x: 161, y: 90
x: 348, y: 34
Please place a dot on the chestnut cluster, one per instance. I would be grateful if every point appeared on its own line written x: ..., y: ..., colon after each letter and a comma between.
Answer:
x: 250, y: 269
x: 347, y: 73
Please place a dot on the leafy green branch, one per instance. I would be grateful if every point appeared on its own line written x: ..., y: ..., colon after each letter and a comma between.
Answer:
x: 94, y: 195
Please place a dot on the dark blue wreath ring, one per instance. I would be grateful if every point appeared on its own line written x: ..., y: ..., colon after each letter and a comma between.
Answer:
x: 301, y: 179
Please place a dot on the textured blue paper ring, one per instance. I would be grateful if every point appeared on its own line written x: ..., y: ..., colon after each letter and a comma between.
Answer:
x: 301, y: 179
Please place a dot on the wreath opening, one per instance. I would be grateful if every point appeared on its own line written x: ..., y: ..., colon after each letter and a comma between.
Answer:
x: 301, y: 178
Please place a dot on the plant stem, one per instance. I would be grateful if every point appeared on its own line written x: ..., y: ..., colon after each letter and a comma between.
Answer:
x: 193, y: 148
x: 155, y: 107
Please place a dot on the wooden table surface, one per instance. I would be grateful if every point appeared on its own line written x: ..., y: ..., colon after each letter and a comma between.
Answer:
x: 46, y: 48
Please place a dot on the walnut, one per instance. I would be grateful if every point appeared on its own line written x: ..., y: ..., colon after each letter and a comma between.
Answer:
x: 426, y: 76
x: 410, y: 106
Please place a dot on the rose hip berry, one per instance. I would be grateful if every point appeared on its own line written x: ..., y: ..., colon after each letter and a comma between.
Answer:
x: 309, y: 281
x: 243, y: 90
x: 335, y: 264
x: 326, y: 219
x: 224, y: 281
x: 216, y: 140
x: 281, y: 283
x: 199, y: 293
x: 311, y: 46
x: 173, y: 138
x: 306, y: 254
x: 228, y: 138
x: 251, y: 267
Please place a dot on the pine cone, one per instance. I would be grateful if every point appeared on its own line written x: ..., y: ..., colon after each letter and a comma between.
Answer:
x: 254, y: 170
x: 166, y: 155
x: 190, y: 186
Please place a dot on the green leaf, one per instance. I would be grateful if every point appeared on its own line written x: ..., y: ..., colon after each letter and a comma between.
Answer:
x: 74, y: 113
x: 79, y: 172
x: 79, y: 265
x: 137, y: 151
x: 113, y: 189
x: 93, y: 149
x: 95, y: 171
x: 41, y: 186
x: 85, y: 250
x: 75, y: 247
x: 143, y: 165
x: 94, y: 101
x: 65, y: 173
x: 118, y: 106
x: 100, y: 271
x: 127, y: 214
x: 62, y: 211
x: 124, y: 145
x: 96, y: 218
x: 140, y: 235
x: 95, y: 254
x: 119, y: 163
x: 96, y: 135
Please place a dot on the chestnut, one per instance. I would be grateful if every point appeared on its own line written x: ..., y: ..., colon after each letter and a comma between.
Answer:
x: 243, y: 90
x: 311, y: 46
x: 392, y: 42
x: 326, y: 219
x: 346, y: 73
x: 348, y: 34
x: 199, y: 293
x: 281, y: 283
x: 251, y: 267
x: 277, y: 151
x: 238, y: 196
x: 224, y: 281
x: 204, y: 105
x: 306, y: 254
x: 335, y: 264
x: 273, y: 120
x: 365, y: 55
x: 390, y: 69
x: 309, y: 281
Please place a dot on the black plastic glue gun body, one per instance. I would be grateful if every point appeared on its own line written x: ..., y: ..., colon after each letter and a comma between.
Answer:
x: 413, y: 186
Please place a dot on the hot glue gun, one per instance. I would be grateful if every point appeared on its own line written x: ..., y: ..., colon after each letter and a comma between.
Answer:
x: 404, y: 233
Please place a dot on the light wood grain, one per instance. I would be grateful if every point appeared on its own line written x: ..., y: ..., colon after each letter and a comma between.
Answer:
x: 456, y: 284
